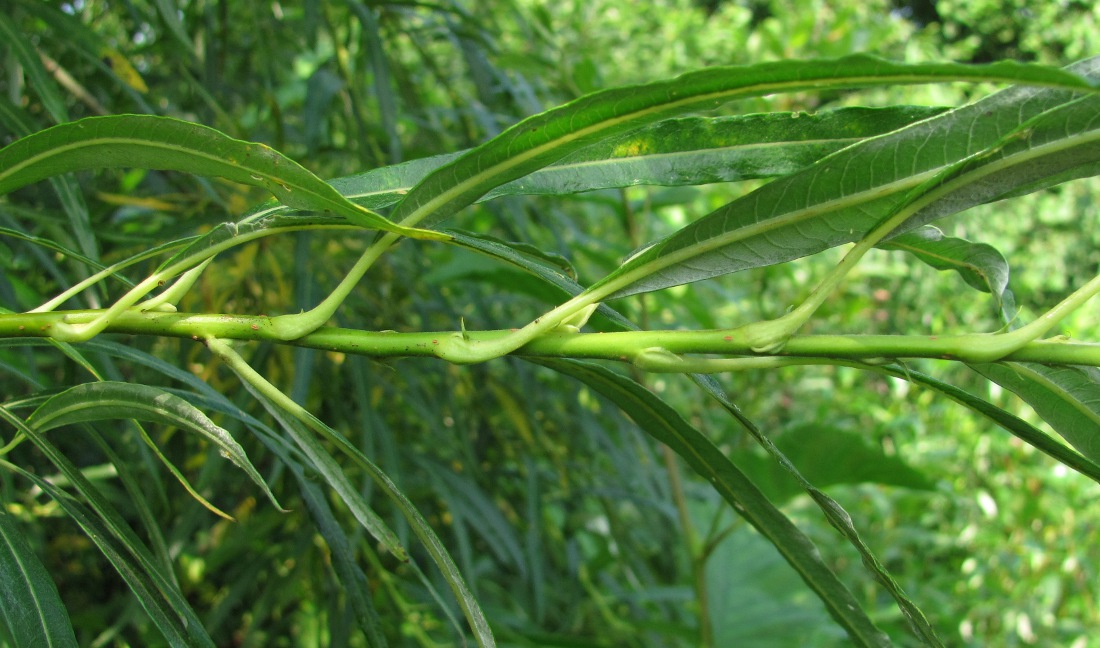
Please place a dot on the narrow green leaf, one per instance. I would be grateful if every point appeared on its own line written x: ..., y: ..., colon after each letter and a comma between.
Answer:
x: 665, y: 425
x: 1018, y: 427
x: 842, y: 197
x: 29, y: 602
x: 702, y: 150
x: 1068, y: 398
x: 546, y: 138
x: 834, y: 513
x: 115, y: 400
x: 150, y: 142
x: 40, y: 79
x: 158, y: 595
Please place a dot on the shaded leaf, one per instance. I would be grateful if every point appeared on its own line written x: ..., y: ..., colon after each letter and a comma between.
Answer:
x: 29, y: 603
x: 980, y: 265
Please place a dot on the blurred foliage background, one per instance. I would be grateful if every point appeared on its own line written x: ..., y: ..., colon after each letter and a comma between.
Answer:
x: 569, y: 524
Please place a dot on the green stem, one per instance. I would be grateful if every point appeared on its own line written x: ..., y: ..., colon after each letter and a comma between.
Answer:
x: 622, y: 346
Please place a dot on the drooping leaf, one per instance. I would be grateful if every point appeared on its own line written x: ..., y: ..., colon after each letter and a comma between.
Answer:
x: 665, y: 425
x: 980, y: 265
x: 164, y: 143
x: 295, y: 420
x: 842, y: 197
x: 29, y: 603
x: 833, y: 511
x: 548, y: 137
x: 1066, y: 397
x: 115, y: 400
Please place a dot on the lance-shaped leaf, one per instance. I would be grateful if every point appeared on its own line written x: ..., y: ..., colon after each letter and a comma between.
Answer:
x: 833, y: 511
x: 163, y: 143
x: 840, y: 198
x: 545, y: 138
x: 673, y: 152
x: 29, y: 603
x: 1017, y: 426
x: 702, y: 150
x: 665, y: 425
x: 115, y: 400
x: 1068, y: 398
x: 980, y: 265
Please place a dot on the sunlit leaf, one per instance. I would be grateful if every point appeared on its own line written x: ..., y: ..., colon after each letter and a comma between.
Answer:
x: 546, y: 138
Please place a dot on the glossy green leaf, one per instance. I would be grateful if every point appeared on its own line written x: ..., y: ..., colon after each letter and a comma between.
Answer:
x: 115, y: 400
x: 548, y: 137
x: 665, y: 425
x: 150, y: 142
x: 29, y: 603
x: 1068, y: 398
x: 842, y: 197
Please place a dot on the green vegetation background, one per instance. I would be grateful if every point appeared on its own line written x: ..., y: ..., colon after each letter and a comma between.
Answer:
x: 559, y: 512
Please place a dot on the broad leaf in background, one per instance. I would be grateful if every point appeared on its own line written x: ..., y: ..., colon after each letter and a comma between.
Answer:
x: 843, y: 196
x: 164, y: 143
x: 29, y: 603
x: 827, y: 456
x: 1068, y: 398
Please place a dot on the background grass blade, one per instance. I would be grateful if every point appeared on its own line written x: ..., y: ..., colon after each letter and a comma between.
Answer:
x: 29, y: 603
x: 158, y: 594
